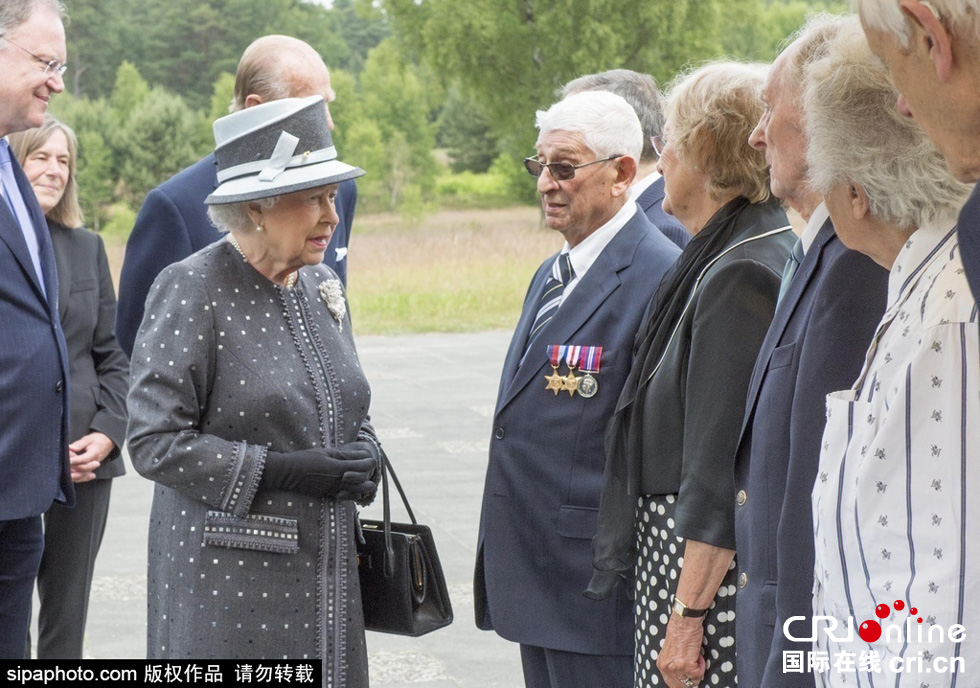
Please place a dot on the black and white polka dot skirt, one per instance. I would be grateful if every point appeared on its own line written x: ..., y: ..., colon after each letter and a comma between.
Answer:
x: 658, y: 565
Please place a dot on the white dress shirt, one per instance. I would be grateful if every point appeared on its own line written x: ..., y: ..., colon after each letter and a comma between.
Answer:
x: 813, y: 225
x: 896, y: 502
x: 586, y: 251
x: 641, y: 185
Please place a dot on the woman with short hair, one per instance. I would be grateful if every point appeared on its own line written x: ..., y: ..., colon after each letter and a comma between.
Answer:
x: 893, y: 504
x: 249, y: 409
x: 666, y: 516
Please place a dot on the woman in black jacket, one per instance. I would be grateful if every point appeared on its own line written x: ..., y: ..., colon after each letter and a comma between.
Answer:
x: 99, y: 375
x: 666, y: 513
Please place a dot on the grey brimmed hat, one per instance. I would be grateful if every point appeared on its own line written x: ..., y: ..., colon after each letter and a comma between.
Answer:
x: 275, y: 148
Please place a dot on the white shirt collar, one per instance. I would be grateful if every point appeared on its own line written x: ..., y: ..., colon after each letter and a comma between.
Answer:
x: 587, y: 251
x: 813, y: 225
x: 641, y: 185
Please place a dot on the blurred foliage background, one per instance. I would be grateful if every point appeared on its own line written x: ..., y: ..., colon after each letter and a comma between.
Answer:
x: 436, y: 98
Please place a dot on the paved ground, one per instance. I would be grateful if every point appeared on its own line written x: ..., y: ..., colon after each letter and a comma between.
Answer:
x: 433, y: 399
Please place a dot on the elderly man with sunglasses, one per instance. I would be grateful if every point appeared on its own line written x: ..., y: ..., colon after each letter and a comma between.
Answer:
x: 562, y: 375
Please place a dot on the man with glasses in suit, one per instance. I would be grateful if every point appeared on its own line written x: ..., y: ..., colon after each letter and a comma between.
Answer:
x: 33, y: 358
x: 562, y: 376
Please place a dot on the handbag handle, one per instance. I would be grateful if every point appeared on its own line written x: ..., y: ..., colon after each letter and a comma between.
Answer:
x: 386, y: 468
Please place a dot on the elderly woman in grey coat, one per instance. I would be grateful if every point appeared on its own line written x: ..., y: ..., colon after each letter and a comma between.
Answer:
x: 249, y: 410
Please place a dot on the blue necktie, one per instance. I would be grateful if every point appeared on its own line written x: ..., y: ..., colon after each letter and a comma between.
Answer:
x: 561, y: 275
x: 792, y: 265
x: 16, y: 203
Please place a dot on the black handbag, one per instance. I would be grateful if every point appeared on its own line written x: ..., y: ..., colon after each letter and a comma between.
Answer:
x: 403, y: 588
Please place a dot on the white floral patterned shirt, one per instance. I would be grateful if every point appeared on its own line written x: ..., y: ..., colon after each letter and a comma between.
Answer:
x: 896, y: 502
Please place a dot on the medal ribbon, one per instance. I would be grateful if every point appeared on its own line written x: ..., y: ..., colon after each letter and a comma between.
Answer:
x: 591, y: 359
x: 555, y: 354
x: 571, y: 356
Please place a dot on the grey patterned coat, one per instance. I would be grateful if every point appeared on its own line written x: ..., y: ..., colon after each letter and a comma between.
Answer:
x: 227, y: 366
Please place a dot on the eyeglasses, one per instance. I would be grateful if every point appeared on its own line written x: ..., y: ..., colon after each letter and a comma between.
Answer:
x: 560, y: 171
x: 659, y: 144
x: 51, y: 67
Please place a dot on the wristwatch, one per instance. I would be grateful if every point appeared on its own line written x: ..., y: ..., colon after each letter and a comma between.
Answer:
x: 682, y: 609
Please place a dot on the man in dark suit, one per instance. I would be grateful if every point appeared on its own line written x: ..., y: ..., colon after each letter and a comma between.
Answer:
x: 33, y: 359
x: 827, y: 313
x: 932, y: 51
x: 173, y: 222
x: 541, y: 497
x: 640, y: 91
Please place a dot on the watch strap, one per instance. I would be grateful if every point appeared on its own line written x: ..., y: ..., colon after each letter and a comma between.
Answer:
x: 683, y: 610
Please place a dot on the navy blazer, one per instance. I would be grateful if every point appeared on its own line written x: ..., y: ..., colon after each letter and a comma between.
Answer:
x: 815, y: 345
x: 651, y: 202
x: 541, y: 497
x: 33, y: 371
x: 98, y: 367
x: 173, y: 224
x: 968, y: 234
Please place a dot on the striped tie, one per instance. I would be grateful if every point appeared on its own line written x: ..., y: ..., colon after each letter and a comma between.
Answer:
x: 561, y: 274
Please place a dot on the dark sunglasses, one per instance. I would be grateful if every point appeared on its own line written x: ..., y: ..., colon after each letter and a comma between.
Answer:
x: 560, y: 171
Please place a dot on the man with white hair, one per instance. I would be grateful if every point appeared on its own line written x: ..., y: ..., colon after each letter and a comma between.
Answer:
x: 824, y: 320
x: 932, y: 51
x: 33, y: 359
x: 562, y: 376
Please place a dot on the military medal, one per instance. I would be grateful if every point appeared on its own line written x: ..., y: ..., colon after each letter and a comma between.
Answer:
x: 572, y: 354
x: 589, y: 364
x: 556, y: 382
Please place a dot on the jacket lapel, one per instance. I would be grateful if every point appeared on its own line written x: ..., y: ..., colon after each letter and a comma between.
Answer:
x: 11, y: 235
x: 784, y: 313
x: 599, y: 282
x: 61, y: 237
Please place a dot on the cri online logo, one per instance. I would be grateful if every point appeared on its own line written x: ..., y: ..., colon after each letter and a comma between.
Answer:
x: 870, y: 630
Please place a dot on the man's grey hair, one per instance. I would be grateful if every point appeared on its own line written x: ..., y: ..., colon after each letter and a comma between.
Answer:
x: 639, y: 90
x: 887, y: 15
x: 857, y: 136
x: 808, y: 44
x: 234, y: 217
x: 13, y: 13
x: 606, y: 121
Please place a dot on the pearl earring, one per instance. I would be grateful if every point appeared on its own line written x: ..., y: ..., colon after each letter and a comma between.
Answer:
x: 258, y: 228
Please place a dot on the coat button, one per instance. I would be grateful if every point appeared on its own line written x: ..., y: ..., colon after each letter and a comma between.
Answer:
x: 743, y: 579
x: 60, y: 386
x: 499, y: 434
x: 740, y: 498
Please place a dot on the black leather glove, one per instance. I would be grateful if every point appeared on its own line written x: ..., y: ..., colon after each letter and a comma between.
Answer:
x: 340, y: 472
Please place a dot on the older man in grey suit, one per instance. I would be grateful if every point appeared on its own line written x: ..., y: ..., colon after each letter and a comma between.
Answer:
x: 562, y: 376
x: 830, y: 304
x: 33, y: 358
x: 932, y: 50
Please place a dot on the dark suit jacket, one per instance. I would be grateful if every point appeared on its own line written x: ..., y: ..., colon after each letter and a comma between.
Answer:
x: 968, y: 233
x: 99, y: 369
x: 694, y: 404
x: 541, y: 496
x: 651, y: 202
x: 33, y: 372
x: 816, y: 345
x: 173, y: 224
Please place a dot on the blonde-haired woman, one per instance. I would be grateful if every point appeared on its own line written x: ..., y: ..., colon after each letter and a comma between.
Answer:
x: 99, y: 380
x: 666, y: 516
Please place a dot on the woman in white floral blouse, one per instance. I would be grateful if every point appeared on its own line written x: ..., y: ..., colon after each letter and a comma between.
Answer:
x: 894, y: 504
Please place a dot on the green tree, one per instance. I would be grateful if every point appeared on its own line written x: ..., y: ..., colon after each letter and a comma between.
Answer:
x: 160, y: 138
x: 465, y: 131
x: 129, y: 91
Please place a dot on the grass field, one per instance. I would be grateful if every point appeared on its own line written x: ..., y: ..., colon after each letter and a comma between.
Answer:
x: 455, y: 271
